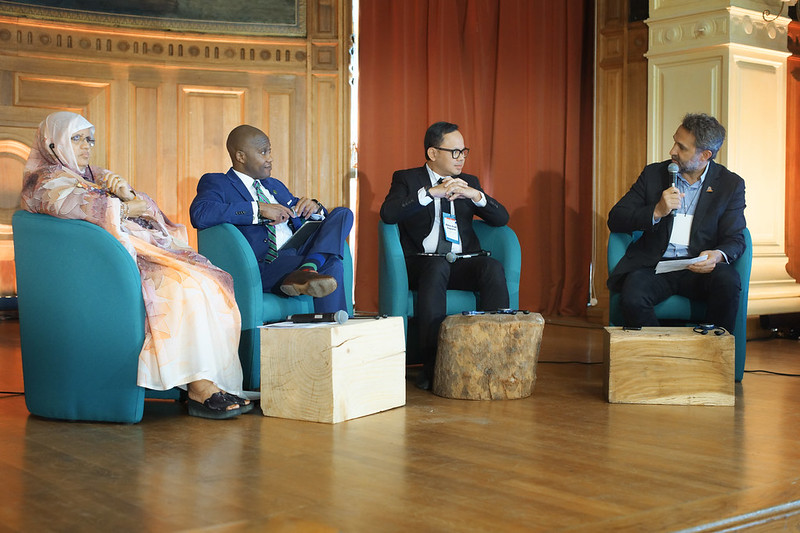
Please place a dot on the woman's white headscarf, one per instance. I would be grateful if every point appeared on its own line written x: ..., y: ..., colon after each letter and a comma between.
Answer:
x: 53, y: 142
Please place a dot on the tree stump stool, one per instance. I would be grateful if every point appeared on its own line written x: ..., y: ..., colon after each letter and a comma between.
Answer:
x: 488, y: 357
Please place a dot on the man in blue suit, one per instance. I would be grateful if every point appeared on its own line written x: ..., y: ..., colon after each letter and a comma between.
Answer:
x: 267, y: 214
x: 698, y: 212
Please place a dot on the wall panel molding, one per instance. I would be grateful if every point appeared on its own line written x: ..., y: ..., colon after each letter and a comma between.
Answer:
x: 164, y: 102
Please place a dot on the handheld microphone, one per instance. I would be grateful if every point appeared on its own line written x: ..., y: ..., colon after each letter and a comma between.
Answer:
x: 673, y: 172
x: 340, y: 317
x: 451, y: 257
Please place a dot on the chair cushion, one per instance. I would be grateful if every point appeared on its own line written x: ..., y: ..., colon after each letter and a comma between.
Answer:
x: 277, y: 308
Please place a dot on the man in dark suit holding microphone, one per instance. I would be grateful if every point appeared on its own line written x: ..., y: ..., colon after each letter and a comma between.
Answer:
x: 433, y: 206
x: 699, y: 214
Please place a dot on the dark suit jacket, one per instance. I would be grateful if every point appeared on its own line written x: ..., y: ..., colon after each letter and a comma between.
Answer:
x: 415, y: 221
x: 224, y: 198
x: 718, y: 219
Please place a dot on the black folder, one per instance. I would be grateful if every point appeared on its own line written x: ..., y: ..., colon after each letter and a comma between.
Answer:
x: 302, y: 235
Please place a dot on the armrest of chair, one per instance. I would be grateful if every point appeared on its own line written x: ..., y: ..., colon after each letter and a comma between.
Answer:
x: 226, y: 248
x: 743, y: 265
x: 81, y: 320
x: 392, y: 275
x: 617, y: 245
x: 502, y: 242
x: 347, y: 264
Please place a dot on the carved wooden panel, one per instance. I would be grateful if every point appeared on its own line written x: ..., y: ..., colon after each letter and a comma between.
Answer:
x: 207, y: 115
x: 163, y: 103
x: 326, y: 163
x: 620, y: 131
x: 145, y: 140
x: 324, y: 23
x: 278, y: 127
x: 612, y: 13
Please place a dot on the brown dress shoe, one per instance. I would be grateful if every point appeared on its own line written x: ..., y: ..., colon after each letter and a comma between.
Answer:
x: 308, y: 282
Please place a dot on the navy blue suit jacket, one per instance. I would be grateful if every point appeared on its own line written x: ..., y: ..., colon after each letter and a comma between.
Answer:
x: 223, y: 198
x: 415, y: 221
x: 717, y: 225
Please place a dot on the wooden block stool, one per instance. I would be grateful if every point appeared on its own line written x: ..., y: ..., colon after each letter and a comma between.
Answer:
x: 333, y: 372
x: 488, y: 357
x: 669, y: 366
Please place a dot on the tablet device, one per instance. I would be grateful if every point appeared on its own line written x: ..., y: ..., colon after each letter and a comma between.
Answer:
x: 301, y: 235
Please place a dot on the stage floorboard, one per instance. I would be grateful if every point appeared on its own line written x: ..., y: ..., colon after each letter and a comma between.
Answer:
x: 561, y: 460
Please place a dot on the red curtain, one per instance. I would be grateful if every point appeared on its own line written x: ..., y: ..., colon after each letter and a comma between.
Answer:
x: 517, y: 77
x: 792, y: 153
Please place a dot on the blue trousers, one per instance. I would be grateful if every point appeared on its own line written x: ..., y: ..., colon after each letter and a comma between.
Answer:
x: 329, y: 241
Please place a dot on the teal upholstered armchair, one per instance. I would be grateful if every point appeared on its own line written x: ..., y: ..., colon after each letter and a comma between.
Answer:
x: 679, y: 308
x: 395, y: 298
x: 226, y: 247
x: 82, y: 320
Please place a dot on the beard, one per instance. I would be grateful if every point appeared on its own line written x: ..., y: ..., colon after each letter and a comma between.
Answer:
x: 688, y: 166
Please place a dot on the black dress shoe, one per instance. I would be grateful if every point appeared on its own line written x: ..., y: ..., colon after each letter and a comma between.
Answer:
x: 422, y: 381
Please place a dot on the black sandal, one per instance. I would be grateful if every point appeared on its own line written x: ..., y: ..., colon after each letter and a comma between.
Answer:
x: 215, y: 407
x: 245, y: 407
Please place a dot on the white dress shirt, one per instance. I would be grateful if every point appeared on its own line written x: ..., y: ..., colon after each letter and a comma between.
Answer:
x: 430, y: 242
x: 282, y: 230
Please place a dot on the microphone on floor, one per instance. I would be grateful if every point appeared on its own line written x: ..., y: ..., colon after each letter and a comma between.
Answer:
x: 340, y: 317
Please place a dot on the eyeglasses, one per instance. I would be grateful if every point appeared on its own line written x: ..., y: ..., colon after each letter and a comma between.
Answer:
x: 455, y: 152
x: 78, y: 139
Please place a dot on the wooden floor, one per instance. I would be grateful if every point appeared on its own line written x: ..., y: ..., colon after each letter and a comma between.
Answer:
x: 561, y: 460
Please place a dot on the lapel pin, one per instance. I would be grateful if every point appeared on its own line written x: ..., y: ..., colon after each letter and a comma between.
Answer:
x: 709, y: 189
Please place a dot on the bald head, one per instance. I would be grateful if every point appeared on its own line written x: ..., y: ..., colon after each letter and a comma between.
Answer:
x: 250, y: 152
x: 241, y: 137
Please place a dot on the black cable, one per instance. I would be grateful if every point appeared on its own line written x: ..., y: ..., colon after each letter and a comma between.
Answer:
x: 573, y: 362
x: 11, y: 393
x: 53, y: 149
x: 759, y: 371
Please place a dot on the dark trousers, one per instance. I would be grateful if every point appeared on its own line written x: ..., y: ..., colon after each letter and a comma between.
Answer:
x: 327, y: 240
x: 643, y: 289
x: 431, y: 277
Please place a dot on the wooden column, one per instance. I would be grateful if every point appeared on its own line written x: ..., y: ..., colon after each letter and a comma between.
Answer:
x: 621, y: 126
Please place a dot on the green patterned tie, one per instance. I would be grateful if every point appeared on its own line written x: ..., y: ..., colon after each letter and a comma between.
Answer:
x: 272, y: 253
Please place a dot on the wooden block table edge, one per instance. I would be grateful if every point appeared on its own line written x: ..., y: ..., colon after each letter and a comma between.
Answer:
x: 676, y: 371
x: 333, y: 372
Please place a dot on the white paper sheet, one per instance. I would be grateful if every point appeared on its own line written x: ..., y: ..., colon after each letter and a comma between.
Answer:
x: 677, y: 264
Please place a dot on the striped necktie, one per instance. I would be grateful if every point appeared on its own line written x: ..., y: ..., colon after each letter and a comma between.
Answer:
x: 272, y: 252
